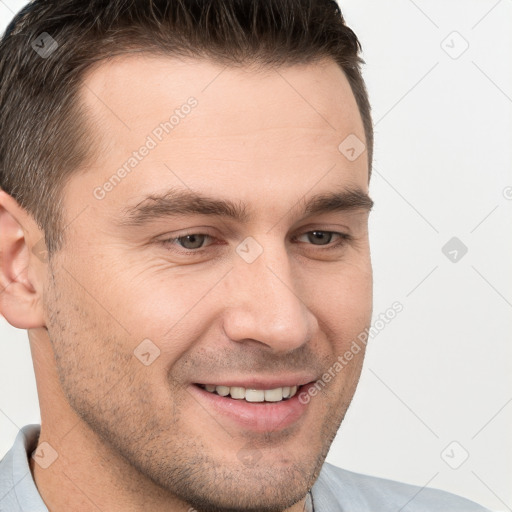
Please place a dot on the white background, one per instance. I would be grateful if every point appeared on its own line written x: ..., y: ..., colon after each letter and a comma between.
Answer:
x: 440, y: 371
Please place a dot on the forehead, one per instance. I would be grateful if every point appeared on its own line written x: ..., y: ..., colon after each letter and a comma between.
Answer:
x: 273, y: 129
x: 143, y: 82
x: 129, y: 94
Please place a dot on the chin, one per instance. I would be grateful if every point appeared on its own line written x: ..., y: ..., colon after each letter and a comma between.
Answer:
x: 259, y: 491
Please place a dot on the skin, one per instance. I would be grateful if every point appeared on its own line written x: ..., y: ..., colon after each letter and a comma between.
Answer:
x: 131, y: 437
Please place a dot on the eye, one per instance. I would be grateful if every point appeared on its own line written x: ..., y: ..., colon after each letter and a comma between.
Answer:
x: 322, y: 238
x: 189, y: 242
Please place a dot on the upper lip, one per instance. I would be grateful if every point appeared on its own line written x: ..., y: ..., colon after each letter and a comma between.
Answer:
x: 260, y: 382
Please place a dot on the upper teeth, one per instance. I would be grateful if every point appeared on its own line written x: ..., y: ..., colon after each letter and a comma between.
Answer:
x: 253, y: 395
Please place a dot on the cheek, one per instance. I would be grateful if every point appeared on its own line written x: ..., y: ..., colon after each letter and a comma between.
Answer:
x: 343, y: 298
x: 88, y: 336
x: 170, y: 307
x: 344, y: 311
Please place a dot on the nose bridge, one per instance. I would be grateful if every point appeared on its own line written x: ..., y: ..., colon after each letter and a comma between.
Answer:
x: 264, y: 305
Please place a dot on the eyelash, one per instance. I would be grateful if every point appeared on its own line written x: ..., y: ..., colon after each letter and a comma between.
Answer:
x: 344, y: 238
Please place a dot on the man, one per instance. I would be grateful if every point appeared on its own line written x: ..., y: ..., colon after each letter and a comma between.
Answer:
x: 184, y: 234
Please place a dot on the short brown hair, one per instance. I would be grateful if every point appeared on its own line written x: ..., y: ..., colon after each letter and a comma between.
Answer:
x: 43, y: 127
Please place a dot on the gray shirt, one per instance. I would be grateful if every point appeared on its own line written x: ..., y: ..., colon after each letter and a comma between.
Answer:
x: 336, y: 489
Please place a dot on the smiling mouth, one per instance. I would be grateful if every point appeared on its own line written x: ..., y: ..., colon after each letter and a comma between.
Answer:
x: 252, y: 395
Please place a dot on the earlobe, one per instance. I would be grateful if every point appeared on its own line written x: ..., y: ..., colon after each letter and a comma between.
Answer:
x: 21, y: 273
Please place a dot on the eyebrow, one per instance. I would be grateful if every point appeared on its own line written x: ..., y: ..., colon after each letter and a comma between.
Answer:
x: 178, y: 202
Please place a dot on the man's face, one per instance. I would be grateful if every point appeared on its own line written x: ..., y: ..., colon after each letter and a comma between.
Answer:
x: 140, y: 326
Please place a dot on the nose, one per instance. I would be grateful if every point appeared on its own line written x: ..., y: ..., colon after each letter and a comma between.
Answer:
x: 265, y: 304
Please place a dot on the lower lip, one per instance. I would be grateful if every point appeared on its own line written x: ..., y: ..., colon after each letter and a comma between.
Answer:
x: 255, y: 416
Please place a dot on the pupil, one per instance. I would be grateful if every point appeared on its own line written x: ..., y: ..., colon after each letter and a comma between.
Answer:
x: 320, y: 235
x: 193, y: 239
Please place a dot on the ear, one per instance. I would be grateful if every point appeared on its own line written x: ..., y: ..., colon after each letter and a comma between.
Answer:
x: 22, y: 266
